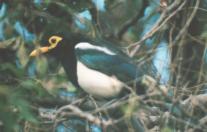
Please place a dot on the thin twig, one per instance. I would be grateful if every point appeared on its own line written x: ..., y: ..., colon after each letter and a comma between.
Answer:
x: 187, y: 24
x: 158, y: 25
x: 78, y: 112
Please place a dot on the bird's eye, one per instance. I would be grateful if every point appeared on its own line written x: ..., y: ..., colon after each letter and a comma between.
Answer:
x: 53, y: 40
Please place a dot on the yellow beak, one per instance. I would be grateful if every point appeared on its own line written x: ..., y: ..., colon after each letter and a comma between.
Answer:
x: 39, y: 51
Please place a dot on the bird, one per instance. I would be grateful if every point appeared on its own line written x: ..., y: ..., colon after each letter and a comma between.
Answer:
x: 97, y: 66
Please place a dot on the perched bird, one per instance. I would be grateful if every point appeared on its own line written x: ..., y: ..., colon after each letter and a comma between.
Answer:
x: 97, y: 66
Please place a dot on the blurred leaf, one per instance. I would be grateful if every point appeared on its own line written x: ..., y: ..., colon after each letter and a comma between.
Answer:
x: 41, y: 65
x: 4, y: 91
x: 22, y: 54
x: 7, y: 43
x: 166, y: 129
x: 12, y: 69
x: 3, y: 11
x: 75, y: 5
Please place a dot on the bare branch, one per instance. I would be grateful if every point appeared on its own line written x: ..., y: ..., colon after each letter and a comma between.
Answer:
x: 159, y: 24
x: 78, y: 112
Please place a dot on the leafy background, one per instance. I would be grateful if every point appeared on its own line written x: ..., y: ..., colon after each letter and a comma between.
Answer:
x: 27, y: 85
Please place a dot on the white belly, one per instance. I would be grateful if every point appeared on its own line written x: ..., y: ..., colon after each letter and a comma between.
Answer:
x: 97, y: 83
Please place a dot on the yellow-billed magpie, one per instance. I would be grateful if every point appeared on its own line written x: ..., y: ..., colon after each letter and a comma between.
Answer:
x: 97, y: 66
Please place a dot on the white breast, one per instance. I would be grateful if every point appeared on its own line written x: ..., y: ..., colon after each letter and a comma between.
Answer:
x: 97, y: 83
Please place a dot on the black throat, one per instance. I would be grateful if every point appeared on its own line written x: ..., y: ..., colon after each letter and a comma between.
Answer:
x: 69, y: 63
x: 66, y: 55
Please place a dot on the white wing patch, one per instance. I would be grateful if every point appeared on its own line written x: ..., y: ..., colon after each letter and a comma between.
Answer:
x: 85, y: 45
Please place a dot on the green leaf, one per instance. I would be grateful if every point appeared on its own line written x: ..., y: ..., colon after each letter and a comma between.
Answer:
x: 166, y: 129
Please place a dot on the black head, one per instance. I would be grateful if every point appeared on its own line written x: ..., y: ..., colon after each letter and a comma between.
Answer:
x: 62, y: 48
x: 59, y: 45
